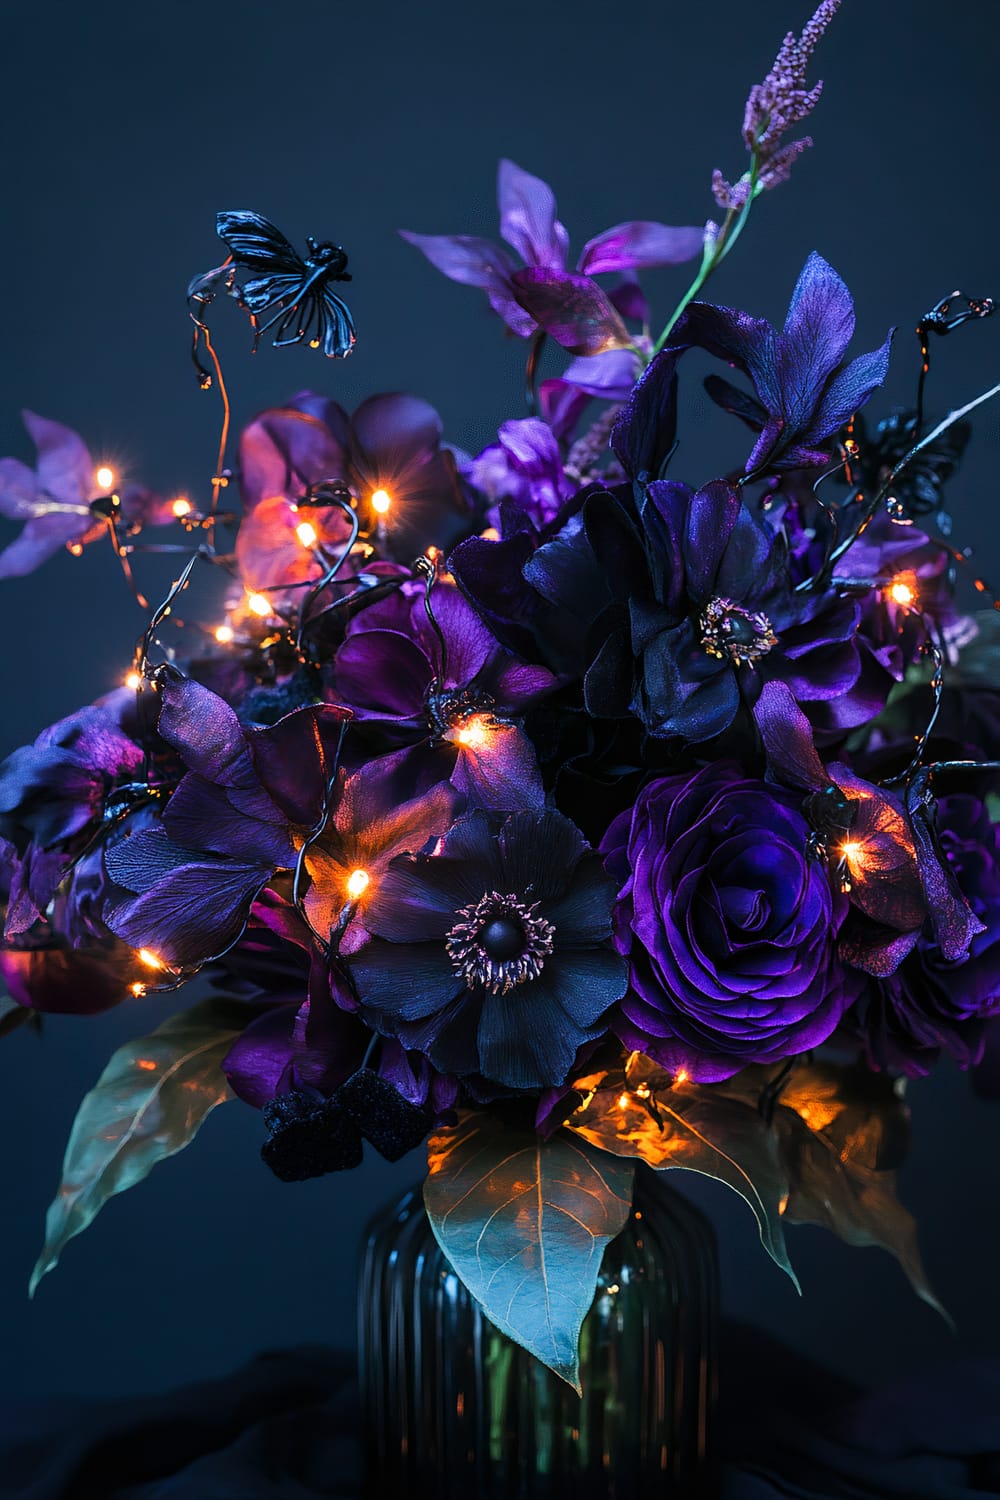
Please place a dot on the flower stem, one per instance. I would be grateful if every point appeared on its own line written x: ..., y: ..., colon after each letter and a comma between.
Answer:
x: 714, y: 254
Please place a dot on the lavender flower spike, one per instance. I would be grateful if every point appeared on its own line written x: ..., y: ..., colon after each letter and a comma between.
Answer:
x: 773, y: 107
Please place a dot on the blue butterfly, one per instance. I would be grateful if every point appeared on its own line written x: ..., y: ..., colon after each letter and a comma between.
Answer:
x: 297, y: 293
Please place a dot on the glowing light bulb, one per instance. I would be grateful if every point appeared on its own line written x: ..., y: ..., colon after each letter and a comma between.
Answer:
x: 76, y: 549
x: 358, y: 884
x: 133, y: 680
x: 224, y: 634
x: 181, y: 507
x: 474, y: 733
x: 259, y: 605
x: 149, y: 958
x: 623, y: 1101
x: 852, y: 849
x: 138, y: 989
x: 307, y: 533
x: 104, y: 478
x: 902, y: 593
x: 381, y: 500
x: 682, y: 1075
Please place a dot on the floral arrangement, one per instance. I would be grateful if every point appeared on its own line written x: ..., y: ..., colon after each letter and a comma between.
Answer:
x: 536, y: 805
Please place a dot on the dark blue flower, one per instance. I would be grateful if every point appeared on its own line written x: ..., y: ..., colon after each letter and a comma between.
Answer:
x: 492, y: 957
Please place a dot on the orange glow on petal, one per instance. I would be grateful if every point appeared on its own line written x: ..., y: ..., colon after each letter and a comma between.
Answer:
x: 146, y: 1064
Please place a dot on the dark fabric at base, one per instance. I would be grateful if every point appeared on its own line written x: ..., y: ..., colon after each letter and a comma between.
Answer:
x: 285, y: 1427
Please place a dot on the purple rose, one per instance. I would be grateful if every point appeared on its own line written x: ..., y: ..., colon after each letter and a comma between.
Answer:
x: 728, y: 923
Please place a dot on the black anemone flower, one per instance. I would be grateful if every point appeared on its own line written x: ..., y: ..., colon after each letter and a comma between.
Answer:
x: 492, y: 957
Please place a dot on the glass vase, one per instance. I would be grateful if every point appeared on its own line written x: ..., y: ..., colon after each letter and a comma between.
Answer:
x: 453, y: 1409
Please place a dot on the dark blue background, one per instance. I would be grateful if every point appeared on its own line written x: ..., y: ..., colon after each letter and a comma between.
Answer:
x: 125, y: 128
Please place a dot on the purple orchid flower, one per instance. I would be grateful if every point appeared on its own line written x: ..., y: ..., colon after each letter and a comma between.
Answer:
x: 457, y: 708
x: 391, y: 447
x: 54, y: 499
x: 240, y: 814
x: 568, y: 305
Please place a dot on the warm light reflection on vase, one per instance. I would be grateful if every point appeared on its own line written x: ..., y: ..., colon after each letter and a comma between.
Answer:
x: 456, y: 1411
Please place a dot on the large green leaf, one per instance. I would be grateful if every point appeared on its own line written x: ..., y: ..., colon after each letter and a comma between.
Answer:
x: 675, y: 1125
x: 147, y: 1104
x: 524, y: 1222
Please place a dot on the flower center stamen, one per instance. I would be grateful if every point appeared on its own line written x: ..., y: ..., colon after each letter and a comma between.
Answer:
x: 499, y: 942
x: 727, y: 629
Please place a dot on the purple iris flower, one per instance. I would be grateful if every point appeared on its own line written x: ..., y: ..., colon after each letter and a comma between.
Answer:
x: 492, y: 957
x: 392, y: 444
x: 54, y: 499
x: 455, y: 697
x: 52, y: 796
x: 241, y: 813
x: 804, y: 391
x: 568, y: 305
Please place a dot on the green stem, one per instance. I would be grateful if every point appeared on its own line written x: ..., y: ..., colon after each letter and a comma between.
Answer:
x: 713, y: 256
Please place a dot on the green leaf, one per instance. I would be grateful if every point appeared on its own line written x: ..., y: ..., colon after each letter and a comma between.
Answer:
x: 147, y: 1104
x: 688, y: 1127
x: 524, y: 1222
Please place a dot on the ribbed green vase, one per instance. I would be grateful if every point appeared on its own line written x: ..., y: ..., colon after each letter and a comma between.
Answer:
x: 454, y: 1410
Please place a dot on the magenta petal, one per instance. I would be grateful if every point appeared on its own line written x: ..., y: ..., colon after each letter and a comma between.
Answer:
x: 528, y: 217
x: 41, y: 538
x: 572, y: 309
x: 20, y: 495
x: 641, y: 242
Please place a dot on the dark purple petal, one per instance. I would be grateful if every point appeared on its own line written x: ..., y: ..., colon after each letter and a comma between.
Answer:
x: 397, y: 430
x: 643, y: 434
x: 817, y: 331
x: 788, y: 742
x: 193, y: 913
x: 639, y: 243
x: 572, y: 309
x: 528, y: 217
x: 848, y: 391
x: 502, y: 774
x: 206, y: 733
x: 296, y: 758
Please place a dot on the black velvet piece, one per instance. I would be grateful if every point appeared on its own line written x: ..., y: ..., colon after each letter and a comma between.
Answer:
x: 391, y: 1123
x: 309, y: 1137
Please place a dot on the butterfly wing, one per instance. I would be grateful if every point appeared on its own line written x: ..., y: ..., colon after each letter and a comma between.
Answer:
x: 264, y: 292
x: 256, y: 243
x: 336, y: 323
